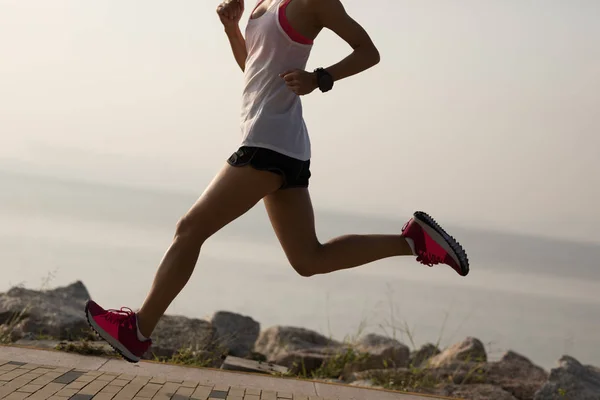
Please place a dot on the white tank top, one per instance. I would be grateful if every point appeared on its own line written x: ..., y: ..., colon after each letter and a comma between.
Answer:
x: 271, y: 113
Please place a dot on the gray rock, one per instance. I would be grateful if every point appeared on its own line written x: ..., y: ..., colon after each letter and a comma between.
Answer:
x: 379, y: 352
x: 572, y: 381
x: 469, y: 350
x: 236, y: 332
x: 304, y: 362
x: 175, y: 334
x: 57, y: 313
x: 279, y: 341
x: 473, y: 392
x: 421, y: 356
x: 517, y: 375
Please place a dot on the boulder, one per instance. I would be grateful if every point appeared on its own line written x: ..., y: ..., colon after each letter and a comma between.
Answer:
x: 419, y: 357
x: 236, y: 332
x: 571, y: 380
x: 469, y: 350
x: 176, y: 334
x: 305, y: 362
x: 382, y: 352
x: 278, y: 341
x: 57, y: 313
x: 472, y: 392
x: 517, y: 375
x: 375, y: 351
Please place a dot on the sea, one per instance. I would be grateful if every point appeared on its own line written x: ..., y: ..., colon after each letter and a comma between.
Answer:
x: 537, y: 296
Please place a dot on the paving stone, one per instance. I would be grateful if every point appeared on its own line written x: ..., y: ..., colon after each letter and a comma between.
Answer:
x: 149, y: 390
x: 218, y: 394
x: 9, y: 376
x: 106, y: 377
x: 160, y: 380
x: 30, y: 388
x: 129, y: 391
x: 29, y: 366
x: 68, y: 377
x: 184, y: 392
x: 103, y: 396
x: 221, y: 388
x: 47, y: 391
x: 236, y: 392
x: 42, y: 370
x: 76, y: 385
x: 46, y: 378
x: 14, y: 385
x: 16, y: 396
x: 84, y: 378
x: 167, y: 391
x: 268, y: 395
x: 201, y: 393
x: 111, y: 389
x: 83, y: 397
x: 94, y: 373
x: 141, y: 379
x: 67, y: 392
x: 92, y: 388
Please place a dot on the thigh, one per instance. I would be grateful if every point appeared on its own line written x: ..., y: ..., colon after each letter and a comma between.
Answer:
x: 292, y: 216
x: 232, y: 192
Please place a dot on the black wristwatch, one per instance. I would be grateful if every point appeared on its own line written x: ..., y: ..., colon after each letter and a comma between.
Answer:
x: 324, y: 80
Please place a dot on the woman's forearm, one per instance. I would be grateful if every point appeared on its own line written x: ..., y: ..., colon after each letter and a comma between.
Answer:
x: 361, y: 59
x: 238, y: 45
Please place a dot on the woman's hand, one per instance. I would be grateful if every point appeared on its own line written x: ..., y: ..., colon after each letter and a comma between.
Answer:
x: 299, y: 81
x: 230, y: 12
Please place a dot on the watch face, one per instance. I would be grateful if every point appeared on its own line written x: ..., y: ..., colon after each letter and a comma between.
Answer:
x: 326, y: 82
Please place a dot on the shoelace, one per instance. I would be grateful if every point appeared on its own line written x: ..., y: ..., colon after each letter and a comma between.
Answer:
x: 429, y: 259
x: 120, y: 316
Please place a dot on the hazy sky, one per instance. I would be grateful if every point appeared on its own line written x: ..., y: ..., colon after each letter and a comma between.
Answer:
x: 485, y: 113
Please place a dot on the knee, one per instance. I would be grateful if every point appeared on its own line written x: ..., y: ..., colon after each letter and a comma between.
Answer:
x: 307, y: 264
x: 189, y: 229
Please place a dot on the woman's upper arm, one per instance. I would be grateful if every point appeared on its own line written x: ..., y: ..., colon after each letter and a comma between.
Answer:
x: 332, y: 15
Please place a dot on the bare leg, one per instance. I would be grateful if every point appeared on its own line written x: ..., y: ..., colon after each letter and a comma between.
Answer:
x: 291, y: 214
x: 233, y: 191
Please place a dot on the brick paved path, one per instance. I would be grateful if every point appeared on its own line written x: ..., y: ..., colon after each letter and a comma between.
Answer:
x: 31, y: 373
x: 37, y: 382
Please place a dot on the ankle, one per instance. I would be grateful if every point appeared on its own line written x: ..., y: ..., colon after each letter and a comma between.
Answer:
x: 143, y: 329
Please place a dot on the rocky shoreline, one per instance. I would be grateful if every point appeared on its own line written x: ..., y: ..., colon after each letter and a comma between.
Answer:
x: 233, y: 341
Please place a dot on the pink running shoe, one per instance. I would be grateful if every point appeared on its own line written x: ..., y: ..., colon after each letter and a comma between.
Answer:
x: 432, y: 245
x: 119, y: 329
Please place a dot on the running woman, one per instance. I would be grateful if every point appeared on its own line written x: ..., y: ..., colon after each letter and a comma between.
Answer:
x: 272, y: 164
